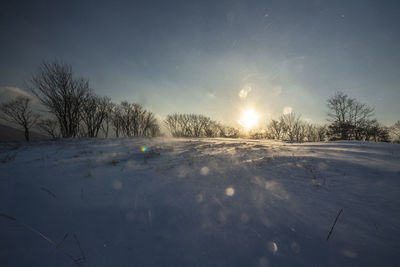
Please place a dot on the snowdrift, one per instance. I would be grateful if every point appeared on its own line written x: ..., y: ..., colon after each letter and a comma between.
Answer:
x: 199, y: 202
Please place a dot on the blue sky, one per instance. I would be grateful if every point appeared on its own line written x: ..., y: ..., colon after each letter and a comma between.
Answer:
x: 196, y: 56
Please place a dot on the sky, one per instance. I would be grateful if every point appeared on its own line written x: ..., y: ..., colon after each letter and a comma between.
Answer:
x: 217, y: 58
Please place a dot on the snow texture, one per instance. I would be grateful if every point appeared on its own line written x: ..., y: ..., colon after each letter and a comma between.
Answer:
x: 199, y: 202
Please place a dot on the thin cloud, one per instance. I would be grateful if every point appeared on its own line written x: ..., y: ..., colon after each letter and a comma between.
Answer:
x: 244, y: 92
x: 8, y: 93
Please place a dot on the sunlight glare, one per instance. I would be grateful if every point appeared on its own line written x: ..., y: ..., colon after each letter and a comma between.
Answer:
x: 287, y: 110
x: 249, y: 119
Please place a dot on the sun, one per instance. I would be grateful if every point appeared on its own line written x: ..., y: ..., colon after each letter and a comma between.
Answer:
x: 249, y: 119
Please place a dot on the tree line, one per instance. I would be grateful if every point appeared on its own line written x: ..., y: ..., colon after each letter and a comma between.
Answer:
x: 291, y: 127
x: 193, y: 125
x: 348, y: 119
x: 74, y: 110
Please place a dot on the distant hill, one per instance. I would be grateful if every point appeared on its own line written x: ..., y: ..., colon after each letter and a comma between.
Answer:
x: 11, y: 134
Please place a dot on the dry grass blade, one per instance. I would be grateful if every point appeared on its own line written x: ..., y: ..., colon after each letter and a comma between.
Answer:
x: 76, y: 261
x: 82, y: 259
x: 62, y: 241
x: 333, y: 225
x: 48, y: 192
x: 8, y: 216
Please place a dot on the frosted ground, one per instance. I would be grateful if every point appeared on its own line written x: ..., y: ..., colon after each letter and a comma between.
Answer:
x: 199, y: 202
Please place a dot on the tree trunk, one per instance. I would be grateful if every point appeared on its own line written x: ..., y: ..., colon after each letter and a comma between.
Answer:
x: 26, y: 134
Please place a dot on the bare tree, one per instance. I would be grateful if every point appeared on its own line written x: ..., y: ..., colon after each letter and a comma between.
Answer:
x: 228, y: 131
x: 211, y: 128
x: 19, y: 111
x: 125, y: 112
x: 384, y: 134
x: 339, y: 113
x: 184, y: 122
x: 50, y: 127
x: 321, y: 131
x: 117, y: 120
x: 149, y: 125
x: 314, y: 133
x: 395, y: 132
x: 94, y: 112
x: 197, y: 123
x: 138, y: 119
x: 173, y: 125
x: 339, y: 105
x: 257, y: 134
x: 178, y: 125
x: 291, y: 126
x: 348, y: 117
x: 275, y: 128
x: 194, y: 125
x: 133, y: 120
x: 359, y: 116
x: 300, y: 130
x: 373, y: 131
x: 62, y: 94
x: 105, y: 126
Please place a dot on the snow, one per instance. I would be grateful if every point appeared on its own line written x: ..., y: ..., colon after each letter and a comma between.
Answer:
x: 199, y: 202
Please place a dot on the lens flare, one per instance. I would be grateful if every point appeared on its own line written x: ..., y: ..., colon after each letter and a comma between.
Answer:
x: 273, y: 247
x: 230, y: 191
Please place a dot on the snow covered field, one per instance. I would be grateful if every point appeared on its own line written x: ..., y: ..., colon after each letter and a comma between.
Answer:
x: 199, y: 202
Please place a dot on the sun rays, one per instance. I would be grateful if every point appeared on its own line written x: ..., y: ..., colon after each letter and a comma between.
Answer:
x: 249, y: 119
